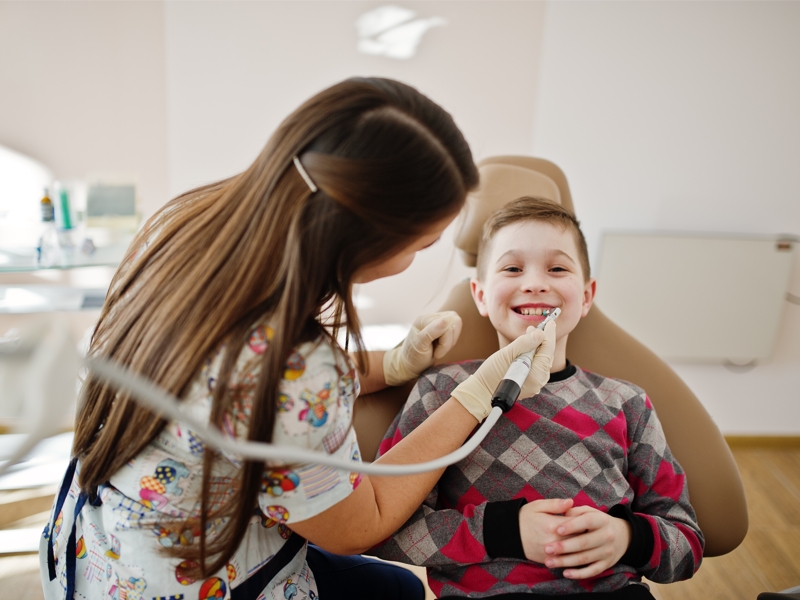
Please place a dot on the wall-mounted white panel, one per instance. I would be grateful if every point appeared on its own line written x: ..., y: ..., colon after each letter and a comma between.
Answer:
x: 697, y: 298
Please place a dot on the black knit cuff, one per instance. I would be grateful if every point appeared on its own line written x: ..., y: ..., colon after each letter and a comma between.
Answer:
x: 642, y: 542
x: 501, y: 535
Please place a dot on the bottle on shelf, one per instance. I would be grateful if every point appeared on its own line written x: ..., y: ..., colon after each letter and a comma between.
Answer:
x: 48, y: 252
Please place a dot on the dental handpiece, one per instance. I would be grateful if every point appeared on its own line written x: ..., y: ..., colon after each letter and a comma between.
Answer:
x: 510, y: 386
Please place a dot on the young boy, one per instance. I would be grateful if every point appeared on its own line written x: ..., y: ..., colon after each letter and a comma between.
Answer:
x: 574, y: 492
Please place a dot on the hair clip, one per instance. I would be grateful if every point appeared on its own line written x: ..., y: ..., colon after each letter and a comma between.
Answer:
x: 304, y: 175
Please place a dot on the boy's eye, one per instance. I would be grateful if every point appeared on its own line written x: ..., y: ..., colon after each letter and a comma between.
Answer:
x: 512, y: 269
x: 558, y: 269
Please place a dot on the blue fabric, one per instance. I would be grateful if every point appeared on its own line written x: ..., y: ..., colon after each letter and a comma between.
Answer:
x: 71, y: 542
x: 361, y: 578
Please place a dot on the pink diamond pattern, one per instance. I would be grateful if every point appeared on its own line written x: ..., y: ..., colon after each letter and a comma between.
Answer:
x: 580, y: 423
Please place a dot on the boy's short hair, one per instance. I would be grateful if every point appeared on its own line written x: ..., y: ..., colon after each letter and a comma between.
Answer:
x: 531, y: 208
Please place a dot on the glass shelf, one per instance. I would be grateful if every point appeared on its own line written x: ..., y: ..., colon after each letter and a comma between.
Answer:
x: 16, y: 260
x: 18, y: 297
x: 44, y: 298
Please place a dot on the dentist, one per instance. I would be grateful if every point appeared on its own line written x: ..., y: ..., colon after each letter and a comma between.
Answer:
x: 231, y: 298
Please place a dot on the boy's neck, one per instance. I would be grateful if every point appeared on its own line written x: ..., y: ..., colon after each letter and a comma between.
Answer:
x: 560, y: 356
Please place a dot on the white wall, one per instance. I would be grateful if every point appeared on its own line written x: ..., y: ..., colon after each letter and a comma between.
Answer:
x: 82, y: 90
x: 682, y: 116
x: 664, y: 115
x: 235, y: 70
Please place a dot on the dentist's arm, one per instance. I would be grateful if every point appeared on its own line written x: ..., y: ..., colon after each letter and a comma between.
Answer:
x: 381, y: 505
x: 373, y: 380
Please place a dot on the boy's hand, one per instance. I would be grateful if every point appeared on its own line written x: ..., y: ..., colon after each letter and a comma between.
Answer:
x: 595, y: 542
x: 431, y: 336
x: 538, y: 524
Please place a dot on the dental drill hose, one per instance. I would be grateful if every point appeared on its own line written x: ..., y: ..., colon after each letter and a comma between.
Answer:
x: 162, y: 403
x: 510, y: 386
x: 167, y: 406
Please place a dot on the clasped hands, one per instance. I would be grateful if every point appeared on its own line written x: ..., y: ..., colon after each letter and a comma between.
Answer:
x: 582, y: 540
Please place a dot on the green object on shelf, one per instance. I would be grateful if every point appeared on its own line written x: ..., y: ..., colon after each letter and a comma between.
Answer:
x: 66, y: 219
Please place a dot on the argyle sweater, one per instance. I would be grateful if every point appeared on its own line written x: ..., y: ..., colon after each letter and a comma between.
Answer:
x: 584, y: 436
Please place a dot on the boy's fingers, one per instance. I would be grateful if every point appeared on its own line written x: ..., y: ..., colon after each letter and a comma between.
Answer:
x: 574, y: 559
x: 585, y: 573
x: 578, y: 510
x: 578, y: 524
x: 583, y: 541
x: 576, y: 551
x: 555, y: 506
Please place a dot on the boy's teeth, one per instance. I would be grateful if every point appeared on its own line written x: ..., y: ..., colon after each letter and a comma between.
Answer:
x: 531, y: 311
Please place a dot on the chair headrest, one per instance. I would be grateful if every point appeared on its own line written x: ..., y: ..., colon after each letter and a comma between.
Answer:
x: 503, y: 179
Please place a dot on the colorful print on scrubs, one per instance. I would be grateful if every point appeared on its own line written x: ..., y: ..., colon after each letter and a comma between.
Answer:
x: 152, y: 504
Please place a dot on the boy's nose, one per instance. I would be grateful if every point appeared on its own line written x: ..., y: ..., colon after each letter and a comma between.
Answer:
x: 534, y: 284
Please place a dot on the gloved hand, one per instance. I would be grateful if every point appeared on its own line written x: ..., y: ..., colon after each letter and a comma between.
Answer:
x: 475, y: 394
x: 431, y: 336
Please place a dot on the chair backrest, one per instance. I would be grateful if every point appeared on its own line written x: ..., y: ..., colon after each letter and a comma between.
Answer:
x: 596, y: 344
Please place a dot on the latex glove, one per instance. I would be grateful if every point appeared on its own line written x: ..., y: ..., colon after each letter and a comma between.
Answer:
x: 431, y: 336
x: 475, y: 394
x: 542, y: 362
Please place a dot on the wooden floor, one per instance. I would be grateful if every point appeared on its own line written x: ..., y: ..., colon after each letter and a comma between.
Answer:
x: 769, y: 557
x: 767, y: 560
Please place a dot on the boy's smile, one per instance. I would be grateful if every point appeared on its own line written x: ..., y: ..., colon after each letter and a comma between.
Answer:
x: 532, y: 268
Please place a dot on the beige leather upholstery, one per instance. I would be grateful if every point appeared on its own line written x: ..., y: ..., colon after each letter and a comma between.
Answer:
x: 498, y: 183
x: 597, y: 344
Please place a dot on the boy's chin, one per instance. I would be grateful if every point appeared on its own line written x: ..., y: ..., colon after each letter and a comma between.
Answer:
x: 506, y: 337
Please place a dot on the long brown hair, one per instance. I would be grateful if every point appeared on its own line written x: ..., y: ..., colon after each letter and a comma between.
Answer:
x: 212, y: 262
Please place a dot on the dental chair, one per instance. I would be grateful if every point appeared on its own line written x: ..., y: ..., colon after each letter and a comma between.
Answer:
x: 790, y: 594
x: 597, y: 344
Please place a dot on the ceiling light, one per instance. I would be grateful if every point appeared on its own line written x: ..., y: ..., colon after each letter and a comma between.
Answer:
x: 393, y: 31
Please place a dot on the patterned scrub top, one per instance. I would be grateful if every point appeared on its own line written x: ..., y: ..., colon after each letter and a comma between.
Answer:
x: 118, y: 544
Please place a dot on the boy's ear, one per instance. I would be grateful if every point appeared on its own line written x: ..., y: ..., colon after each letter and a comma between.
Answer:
x: 478, y: 295
x: 588, y: 296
